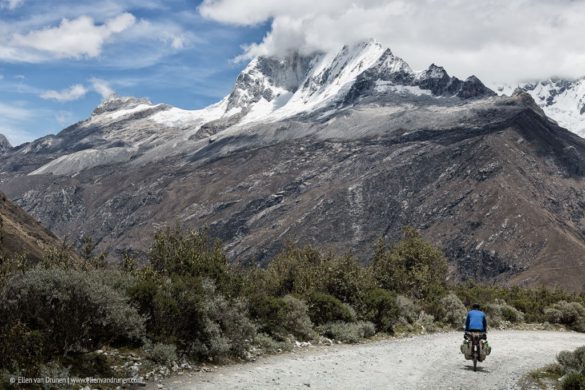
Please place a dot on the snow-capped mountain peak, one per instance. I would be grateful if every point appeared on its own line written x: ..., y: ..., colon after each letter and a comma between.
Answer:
x: 269, y: 89
x: 561, y: 100
x: 267, y: 78
x: 393, y: 64
x: 116, y: 103
x: 433, y: 72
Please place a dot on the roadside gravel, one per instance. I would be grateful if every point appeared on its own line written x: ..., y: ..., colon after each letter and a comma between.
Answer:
x: 420, y: 362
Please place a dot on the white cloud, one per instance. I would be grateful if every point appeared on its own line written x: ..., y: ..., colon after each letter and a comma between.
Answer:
x: 102, y: 87
x: 76, y: 38
x: 504, y: 40
x: 131, y: 42
x: 11, y: 4
x: 74, y: 92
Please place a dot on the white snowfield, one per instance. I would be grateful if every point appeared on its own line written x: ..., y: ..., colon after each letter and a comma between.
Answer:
x: 422, y: 362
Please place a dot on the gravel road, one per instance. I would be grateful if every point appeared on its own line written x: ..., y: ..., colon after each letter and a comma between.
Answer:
x: 421, y: 362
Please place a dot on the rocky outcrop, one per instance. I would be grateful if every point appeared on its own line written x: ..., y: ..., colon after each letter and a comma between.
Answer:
x: 4, y: 144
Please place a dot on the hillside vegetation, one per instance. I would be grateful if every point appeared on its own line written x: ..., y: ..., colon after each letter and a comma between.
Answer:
x: 190, y: 303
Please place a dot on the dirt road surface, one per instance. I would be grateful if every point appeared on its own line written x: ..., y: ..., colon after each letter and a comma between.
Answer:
x: 421, y: 362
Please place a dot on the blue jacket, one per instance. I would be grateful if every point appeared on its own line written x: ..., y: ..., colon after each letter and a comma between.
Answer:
x: 476, y: 321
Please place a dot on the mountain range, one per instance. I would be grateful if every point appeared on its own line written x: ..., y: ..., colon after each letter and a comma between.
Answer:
x: 330, y: 149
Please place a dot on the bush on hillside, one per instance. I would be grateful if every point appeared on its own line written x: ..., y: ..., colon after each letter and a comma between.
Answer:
x: 296, y: 318
x: 573, y: 367
x: 302, y: 271
x: 381, y: 308
x: 325, y: 308
x: 162, y: 353
x: 293, y: 271
x: 412, y: 267
x: 346, y: 279
x: 191, y: 313
x: 73, y: 311
x: 192, y: 254
x: 571, y: 314
x: 532, y: 302
x: 451, y: 310
x: 21, y: 348
x: 408, y: 311
x: 348, y: 332
x: 268, y: 312
x: 573, y: 381
x: 499, y: 311
x: 280, y: 317
x: 270, y: 345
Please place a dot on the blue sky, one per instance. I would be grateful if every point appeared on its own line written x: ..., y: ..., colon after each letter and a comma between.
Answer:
x: 59, y: 58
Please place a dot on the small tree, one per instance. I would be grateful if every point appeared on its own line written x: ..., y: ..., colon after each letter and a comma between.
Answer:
x: 413, y: 267
x: 175, y: 252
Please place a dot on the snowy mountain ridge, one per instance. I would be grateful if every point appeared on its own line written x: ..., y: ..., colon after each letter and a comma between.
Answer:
x: 562, y: 100
x: 267, y: 90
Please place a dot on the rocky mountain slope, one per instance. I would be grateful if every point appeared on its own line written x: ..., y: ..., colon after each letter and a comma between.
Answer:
x: 22, y: 234
x: 334, y: 149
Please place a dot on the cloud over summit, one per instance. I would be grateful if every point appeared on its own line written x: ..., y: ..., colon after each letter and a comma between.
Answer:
x: 503, y: 40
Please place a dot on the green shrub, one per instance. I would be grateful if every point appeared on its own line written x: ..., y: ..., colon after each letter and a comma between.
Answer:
x: 268, y: 312
x: 294, y: 271
x: 195, y: 254
x: 573, y: 381
x: 381, y: 308
x: 268, y: 344
x: 500, y: 311
x: 408, y: 311
x: 302, y: 271
x: 296, y: 318
x: 573, y: 367
x: 425, y: 322
x: 348, y: 332
x: 191, y: 313
x: 325, y: 308
x: 230, y: 317
x: 162, y: 353
x: 412, y: 267
x: 346, y: 279
x: 569, y: 361
x: 451, y: 310
x: 532, y: 302
x: 21, y: 348
x: 571, y: 314
x: 280, y: 317
x: 118, y: 280
x: 73, y: 310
